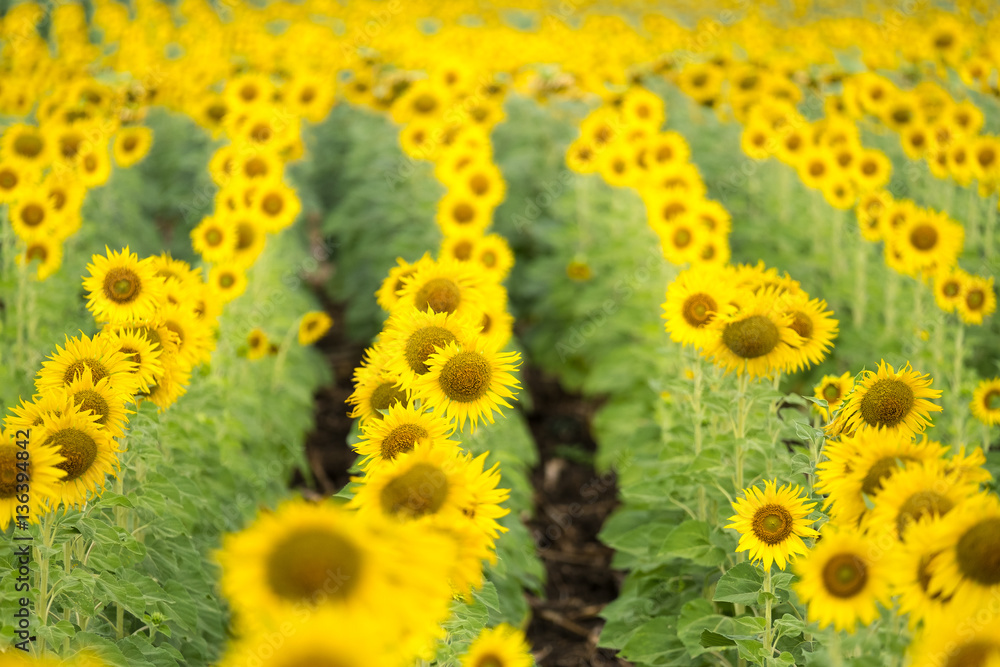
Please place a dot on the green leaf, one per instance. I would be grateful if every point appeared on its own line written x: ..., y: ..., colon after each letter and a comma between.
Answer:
x: 697, y: 616
x: 740, y: 585
x: 752, y: 650
x: 789, y: 625
x: 691, y: 540
x: 711, y: 639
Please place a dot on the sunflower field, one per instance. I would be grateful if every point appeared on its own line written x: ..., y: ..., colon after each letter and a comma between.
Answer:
x: 472, y: 334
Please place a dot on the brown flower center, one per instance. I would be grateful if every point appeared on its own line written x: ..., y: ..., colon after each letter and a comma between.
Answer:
x: 975, y: 299
x: 122, y: 285
x: 978, y: 552
x: 887, y: 403
x: 751, y: 337
x: 921, y: 504
x: 924, y: 237
x: 699, y: 309
x: 28, y: 145
x: 845, y: 575
x: 463, y: 213
x: 8, y: 471
x: 89, y: 399
x: 421, y: 490
x: 882, y: 470
x: 401, y: 440
x: 385, y: 395
x: 77, y: 447
x: 97, y: 370
x: 465, y: 377
x: 314, y: 561
x: 802, y: 324
x: 772, y: 524
x: 439, y: 294
x: 424, y: 342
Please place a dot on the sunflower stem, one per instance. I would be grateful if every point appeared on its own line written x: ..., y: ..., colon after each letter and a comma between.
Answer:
x: 279, y: 363
x: 837, y: 243
x: 891, y: 294
x: 45, y: 530
x: 120, y: 521
x: 956, y: 383
x: 768, y: 630
x: 697, y: 413
x: 860, y: 283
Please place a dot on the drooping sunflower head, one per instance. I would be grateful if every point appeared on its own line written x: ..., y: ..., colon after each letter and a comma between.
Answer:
x: 891, y: 401
x: 772, y: 523
x: 842, y: 579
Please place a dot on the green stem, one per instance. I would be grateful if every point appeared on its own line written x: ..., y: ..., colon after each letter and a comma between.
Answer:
x: 279, y: 363
x: 740, y: 430
x: 45, y: 530
x: 837, y: 243
x: 860, y: 283
x: 697, y: 413
x: 956, y: 383
x: 120, y: 521
x: 768, y: 630
x: 891, y: 294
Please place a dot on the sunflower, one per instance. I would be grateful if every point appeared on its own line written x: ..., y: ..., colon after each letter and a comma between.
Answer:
x: 257, y: 345
x: 816, y: 168
x: 168, y: 387
x: 757, y: 141
x: 682, y: 240
x: 842, y: 579
x: 502, y: 646
x: 683, y: 178
x: 948, y: 286
x: 37, y: 473
x: 839, y: 193
x: 313, y: 326
x: 458, y: 211
x: 444, y: 287
x: 877, y: 457
x: 497, y: 327
x: 985, y: 403
x: 930, y: 241
x: 257, y: 165
x: 246, y: 90
x: 890, y: 402
x: 131, y: 145
x: 25, y: 146
x: 916, y: 140
x: 397, y: 433
x: 214, y: 239
x: 321, y: 558
x: 484, y: 497
x: 250, y: 240
x: 493, y: 256
x: 13, y: 179
x: 427, y: 487
x: 95, y: 353
x: 832, y: 389
x: 967, y: 569
x: 616, y: 164
x: 979, y: 300
x: 907, y: 566
x: 139, y: 348
x: 376, y: 388
x: 482, y: 180
x: 466, y: 383
x: 93, y: 167
x: 90, y: 453
x: 756, y: 338
x: 275, y: 206
x: 228, y: 280
x: 121, y: 287
x: 812, y: 322
x: 460, y: 246
x: 664, y: 207
x: 47, y: 251
x: 958, y: 637
x: 388, y: 293
x: 33, y: 216
x: 410, y: 337
x: 102, y: 401
x: 195, y: 339
x: 772, y: 523
x: 713, y: 216
x: 693, y: 299
x: 313, y: 643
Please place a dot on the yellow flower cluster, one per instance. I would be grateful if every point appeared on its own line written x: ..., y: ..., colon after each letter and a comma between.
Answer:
x: 748, y: 319
x: 622, y: 140
x: 910, y: 521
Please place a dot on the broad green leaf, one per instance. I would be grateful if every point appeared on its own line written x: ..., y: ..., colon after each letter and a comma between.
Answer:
x: 740, y: 585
